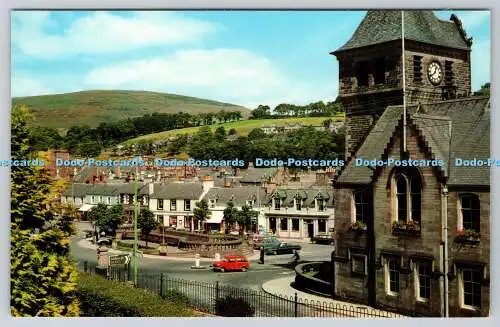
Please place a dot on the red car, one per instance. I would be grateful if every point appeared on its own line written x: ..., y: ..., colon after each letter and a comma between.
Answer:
x: 231, y: 263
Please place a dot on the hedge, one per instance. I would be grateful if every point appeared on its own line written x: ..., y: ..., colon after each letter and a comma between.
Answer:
x: 100, y: 297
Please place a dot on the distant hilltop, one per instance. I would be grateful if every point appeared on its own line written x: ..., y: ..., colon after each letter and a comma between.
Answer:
x: 94, y: 107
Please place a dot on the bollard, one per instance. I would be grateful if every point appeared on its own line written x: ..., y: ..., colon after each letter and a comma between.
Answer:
x: 217, y: 257
x: 197, y: 260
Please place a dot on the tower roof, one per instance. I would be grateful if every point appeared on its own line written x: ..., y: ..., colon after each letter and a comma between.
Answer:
x: 379, y: 26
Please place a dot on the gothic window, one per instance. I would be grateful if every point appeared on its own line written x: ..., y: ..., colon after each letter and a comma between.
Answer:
x: 361, y: 206
x: 408, y: 195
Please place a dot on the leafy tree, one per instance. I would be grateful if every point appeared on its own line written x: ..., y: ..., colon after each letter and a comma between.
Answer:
x: 232, y: 131
x: 43, y: 278
x: 230, y: 214
x: 114, y: 218
x: 262, y: 111
x: 220, y: 134
x: 201, y: 212
x: 146, y: 222
x: 97, y: 216
x: 246, y: 217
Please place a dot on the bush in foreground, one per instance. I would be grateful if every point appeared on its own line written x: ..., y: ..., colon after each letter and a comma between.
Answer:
x: 104, y: 298
x: 233, y: 307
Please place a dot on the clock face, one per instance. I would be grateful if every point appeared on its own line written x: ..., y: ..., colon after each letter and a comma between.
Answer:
x: 434, y: 73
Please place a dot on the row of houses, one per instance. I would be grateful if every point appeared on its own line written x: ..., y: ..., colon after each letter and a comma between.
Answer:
x: 288, y: 212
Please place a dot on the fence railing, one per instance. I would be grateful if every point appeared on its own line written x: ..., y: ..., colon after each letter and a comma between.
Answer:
x: 203, y: 296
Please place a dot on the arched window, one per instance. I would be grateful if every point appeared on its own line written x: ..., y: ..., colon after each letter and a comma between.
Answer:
x: 408, y: 186
x: 361, y: 206
x: 470, y: 212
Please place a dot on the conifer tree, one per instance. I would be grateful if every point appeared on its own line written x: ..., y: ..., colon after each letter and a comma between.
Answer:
x: 43, y: 278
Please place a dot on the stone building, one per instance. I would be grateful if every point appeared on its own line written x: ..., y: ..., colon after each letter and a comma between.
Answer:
x: 392, y: 222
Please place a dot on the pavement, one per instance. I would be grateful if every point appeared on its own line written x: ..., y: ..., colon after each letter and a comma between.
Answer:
x: 281, y: 287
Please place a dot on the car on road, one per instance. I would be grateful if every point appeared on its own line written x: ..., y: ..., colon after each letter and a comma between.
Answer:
x: 322, y: 238
x: 231, y: 263
x: 105, y: 241
x: 275, y: 246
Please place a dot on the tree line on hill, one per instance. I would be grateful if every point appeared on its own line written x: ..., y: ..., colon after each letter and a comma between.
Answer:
x: 315, y: 109
x: 82, y: 140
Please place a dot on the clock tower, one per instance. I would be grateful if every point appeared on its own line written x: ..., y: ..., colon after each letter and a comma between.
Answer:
x: 437, y: 66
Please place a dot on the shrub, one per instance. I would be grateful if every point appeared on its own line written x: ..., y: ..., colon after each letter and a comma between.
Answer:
x: 233, y: 307
x: 104, y: 298
x: 176, y: 297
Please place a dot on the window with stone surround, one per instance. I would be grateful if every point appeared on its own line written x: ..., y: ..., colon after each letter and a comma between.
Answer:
x: 284, y: 224
x: 321, y: 226
x: 187, y: 205
x: 423, y: 273
x: 470, y: 288
x: 407, y: 186
x: 448, y: 72
x: 295, y: 224
x: 392, y: 266
x: 298, y: 204
x: 361, y: 207
x: 173, y: 205
x: 359, y: 266
x: 277, y: 203
x: 469, y: 213
x: 160, y: 204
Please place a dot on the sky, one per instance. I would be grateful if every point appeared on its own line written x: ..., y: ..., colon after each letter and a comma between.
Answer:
x: 242, y: 57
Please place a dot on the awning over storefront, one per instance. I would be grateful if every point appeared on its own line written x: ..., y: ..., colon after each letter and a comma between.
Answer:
x: 215, y: 218
x: 86, y: 207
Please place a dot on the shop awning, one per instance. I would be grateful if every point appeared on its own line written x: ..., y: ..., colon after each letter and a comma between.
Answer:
x: 215, y: 218
x: 86, y: 207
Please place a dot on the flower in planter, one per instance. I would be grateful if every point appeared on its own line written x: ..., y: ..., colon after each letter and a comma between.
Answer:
x: 358, y: 225
x: 398, y: 225
x: 413, y: 225
x: 468, y: 234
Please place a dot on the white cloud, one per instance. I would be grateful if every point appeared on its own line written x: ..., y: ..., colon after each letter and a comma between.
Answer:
x: 28, y: 86
x: 103, y: 32
x: 231, y: 75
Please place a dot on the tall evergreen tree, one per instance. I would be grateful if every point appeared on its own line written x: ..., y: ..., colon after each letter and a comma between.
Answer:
x: 43, y: 278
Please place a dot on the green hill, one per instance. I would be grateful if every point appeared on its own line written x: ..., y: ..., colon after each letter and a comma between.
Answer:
x: 242, y: 127
x: 93, y: 107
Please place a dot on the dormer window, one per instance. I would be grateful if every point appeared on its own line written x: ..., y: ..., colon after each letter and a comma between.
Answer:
x: 212, y: 202
x: 250, y: 203
x: 277, y: 204
x: 320, y: 204
x: 298, y: 204
x: 93, y: 199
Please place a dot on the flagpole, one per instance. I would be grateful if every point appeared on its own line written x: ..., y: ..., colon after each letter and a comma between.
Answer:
x: 404, y: 77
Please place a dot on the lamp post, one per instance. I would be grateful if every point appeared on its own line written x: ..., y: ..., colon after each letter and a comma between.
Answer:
x: 135, y: 226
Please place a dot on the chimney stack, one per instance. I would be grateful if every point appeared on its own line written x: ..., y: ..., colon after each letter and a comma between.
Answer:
x: 208, y: 183
x: 151, y: 188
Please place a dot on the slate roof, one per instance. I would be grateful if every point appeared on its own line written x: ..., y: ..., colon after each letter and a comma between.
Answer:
x: 104, y: 189
x: 380, y: 26
x: 307, y: 195
x: 470, y: 138
x: 128, y: 188
x: 190, y: 191
x: 77, y: 189
x: 238, y: 195
x: 255, y: 175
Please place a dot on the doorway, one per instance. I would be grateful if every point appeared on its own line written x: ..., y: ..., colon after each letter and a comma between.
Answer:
x: 310, y: 229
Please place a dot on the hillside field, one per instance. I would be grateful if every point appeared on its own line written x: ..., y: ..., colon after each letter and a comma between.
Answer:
x: 242, y: 127
x: 94, y: 107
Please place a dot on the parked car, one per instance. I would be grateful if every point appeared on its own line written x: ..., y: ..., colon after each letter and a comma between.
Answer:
x: 258, y: 239
x: 105, y: 240
x: 275, y: 246
x: 231, y: 263
x: 323, y: 238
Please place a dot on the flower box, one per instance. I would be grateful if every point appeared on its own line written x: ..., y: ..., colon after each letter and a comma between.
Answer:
x: 468, y: 236
x: 409, y: 228
x: 358, y: 226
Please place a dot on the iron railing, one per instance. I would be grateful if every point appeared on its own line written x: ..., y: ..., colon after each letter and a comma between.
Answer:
x: 203, y: 296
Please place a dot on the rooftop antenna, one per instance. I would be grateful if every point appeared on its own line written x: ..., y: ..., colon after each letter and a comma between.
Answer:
x: 404, y: 77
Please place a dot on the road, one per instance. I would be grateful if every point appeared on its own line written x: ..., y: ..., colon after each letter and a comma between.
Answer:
x: 199, y: 284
